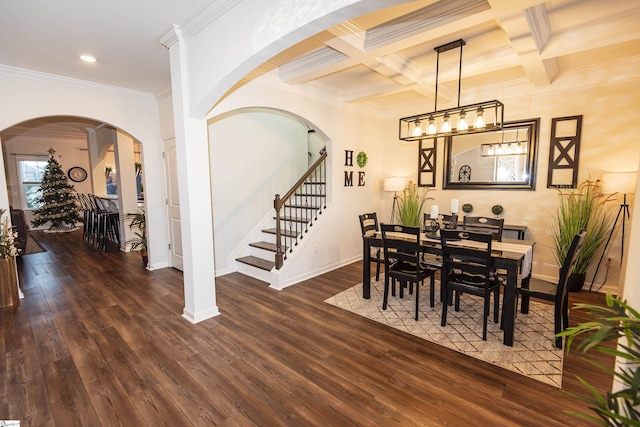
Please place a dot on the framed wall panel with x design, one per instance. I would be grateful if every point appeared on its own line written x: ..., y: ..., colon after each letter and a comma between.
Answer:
x: 427, y: 162
x: 564, y: 151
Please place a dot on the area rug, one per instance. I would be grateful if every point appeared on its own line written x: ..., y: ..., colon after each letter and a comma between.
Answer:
x: 32, y: 247
x: 532, y: 354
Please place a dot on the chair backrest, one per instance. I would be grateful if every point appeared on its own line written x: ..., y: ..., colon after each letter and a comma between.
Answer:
x: 484, y: 224
x: 568, y: 265
x: 81, y: 201
x: 401, y: 245
x: 466, y: 254
x: 368, y: 223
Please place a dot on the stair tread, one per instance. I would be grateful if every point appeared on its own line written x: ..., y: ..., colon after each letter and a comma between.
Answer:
x: 260, y: 263
x: 283, y: 232
x: 302, y: 207
x: 268, y: 246
x: 293, y: 219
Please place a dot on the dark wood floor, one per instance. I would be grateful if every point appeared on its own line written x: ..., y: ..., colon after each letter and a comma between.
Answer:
x: 99, y: 341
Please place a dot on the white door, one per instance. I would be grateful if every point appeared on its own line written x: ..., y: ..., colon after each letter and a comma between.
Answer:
x: 173, y: 203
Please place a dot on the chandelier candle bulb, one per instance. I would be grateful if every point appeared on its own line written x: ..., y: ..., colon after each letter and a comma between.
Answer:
x: 434, y: 211
x: 454, y: 206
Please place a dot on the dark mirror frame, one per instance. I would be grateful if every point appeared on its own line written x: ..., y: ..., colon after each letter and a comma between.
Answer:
x: 533, y: 125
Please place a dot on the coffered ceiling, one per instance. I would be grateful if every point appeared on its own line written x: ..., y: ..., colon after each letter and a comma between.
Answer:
x: 386, y: 60
x: 383, y: 61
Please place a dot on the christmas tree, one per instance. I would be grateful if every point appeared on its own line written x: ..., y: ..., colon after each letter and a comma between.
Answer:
x: 58, y: 199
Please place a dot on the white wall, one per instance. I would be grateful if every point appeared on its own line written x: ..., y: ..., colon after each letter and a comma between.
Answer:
x: 337, y: 241
x: 609, y: 143
x: 254, y: 155
x: 32, y: 94
x: 69, y: 154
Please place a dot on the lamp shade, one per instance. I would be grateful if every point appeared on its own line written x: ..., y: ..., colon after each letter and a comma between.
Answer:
x: 394, y: 184
x: 620, y: 182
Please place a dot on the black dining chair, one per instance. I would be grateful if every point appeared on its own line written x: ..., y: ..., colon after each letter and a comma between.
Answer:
x: 369, y: 226
x: 484, y: 224
x: 555, y: 292
x: 402, y: 262
x: 466, y: 258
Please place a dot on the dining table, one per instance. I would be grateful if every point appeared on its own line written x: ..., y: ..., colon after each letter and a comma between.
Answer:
x: 513, y: 256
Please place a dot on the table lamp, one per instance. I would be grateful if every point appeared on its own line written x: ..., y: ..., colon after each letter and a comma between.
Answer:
x: 394, y: 184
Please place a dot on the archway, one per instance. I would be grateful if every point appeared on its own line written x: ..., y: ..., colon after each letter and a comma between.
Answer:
x: 84, y: 147
x: 271, y: 149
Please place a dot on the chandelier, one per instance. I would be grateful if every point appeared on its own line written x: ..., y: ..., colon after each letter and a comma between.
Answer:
x: 480, y: 117
x: 509, y: 147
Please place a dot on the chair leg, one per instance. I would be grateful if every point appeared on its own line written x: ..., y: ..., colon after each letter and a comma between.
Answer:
x: 445, y: 304
x: 524, y: 304
x: 377, y: 271
x: 558, y: 322
x: 417, y: 298
x: 385, y: 298
x: 496, y: 305
x: 432, y: 291
x: 487, y: 302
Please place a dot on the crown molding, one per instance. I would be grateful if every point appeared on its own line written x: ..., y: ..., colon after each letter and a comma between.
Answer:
x: 195, y: 23
x: 56, y: 79
x: 170, y: 36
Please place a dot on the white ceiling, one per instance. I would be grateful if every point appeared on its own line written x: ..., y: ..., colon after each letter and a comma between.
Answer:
x: 382, y: 60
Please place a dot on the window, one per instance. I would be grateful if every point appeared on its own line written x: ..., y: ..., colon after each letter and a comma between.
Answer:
x: 30, y: 171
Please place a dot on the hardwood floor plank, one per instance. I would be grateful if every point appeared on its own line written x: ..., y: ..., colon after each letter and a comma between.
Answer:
x: 112, y: 403
x: 100, y: 341
x: 69, y: 400
x: 125, y: 364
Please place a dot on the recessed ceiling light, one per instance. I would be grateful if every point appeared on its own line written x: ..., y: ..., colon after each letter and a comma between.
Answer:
x: 88, y: 58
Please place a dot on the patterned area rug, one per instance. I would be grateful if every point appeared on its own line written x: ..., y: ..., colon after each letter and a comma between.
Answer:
x: 533, y: 353
x: 33, y: 246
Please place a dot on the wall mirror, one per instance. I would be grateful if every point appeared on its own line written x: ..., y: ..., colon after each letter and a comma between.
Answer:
x: 503, y: 159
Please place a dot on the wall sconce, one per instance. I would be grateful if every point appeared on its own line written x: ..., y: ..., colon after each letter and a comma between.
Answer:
x: 485, y: 116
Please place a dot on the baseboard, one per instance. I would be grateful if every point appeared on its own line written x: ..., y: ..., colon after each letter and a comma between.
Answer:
x: 199, y: 317
x: 314, y: 273
x: 157, y: 265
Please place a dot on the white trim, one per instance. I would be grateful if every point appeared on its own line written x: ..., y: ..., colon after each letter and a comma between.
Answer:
x: 55, y: 79
x: 199, y: 317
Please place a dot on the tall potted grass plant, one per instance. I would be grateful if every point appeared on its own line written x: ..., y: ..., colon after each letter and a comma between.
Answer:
x: 584, y: 207
x: 411, y: 204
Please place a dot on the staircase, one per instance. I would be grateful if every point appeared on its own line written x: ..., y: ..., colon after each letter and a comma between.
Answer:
x: 295, y: 213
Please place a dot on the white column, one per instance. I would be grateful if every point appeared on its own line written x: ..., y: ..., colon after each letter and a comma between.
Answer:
x: 192, y: 153
x: 127, y: 194
x: 96, y: 163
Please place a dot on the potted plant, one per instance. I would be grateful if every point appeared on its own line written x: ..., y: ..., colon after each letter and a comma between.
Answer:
x: 581, y: 208
x: 497, y: 210
x: 8, y: 252
x: 616, y: 320
x: 410, y: 204
x: 138, y: 224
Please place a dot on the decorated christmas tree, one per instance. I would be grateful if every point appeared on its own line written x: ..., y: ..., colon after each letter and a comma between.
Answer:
x: 58, y: 200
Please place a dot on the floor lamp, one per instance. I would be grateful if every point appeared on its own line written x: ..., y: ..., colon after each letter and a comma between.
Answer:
x: 394, y: 184
x: 623, y: 183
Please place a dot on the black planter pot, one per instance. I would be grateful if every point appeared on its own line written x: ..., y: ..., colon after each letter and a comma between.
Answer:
x: 576, y: 282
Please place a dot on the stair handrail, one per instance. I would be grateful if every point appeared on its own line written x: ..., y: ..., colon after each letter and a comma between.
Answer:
x: 279, y: 202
